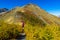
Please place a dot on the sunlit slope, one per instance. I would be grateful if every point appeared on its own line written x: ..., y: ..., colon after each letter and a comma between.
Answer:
x: 49, y: 18
x: 39, y: 25
x: 28, y: 12
x: 20, y: 14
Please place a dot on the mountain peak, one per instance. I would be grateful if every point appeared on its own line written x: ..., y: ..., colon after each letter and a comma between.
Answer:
x: 31, y: 4
x: 3, y: 10
x: 31, y: 12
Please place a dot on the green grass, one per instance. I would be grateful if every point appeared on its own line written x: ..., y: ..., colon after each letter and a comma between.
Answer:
x: 33, y: 32
x: 9, y: 30
x: 42, y: 33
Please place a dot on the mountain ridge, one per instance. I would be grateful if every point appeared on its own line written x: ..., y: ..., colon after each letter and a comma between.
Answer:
x: 34, y: 22
x: 32, y: 10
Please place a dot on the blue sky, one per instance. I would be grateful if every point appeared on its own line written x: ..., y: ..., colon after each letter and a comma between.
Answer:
x: 51, y: 6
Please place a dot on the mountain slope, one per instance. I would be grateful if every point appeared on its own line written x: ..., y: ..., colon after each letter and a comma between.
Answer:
x: 49, y: 18
x: 39, y: 25
x: 31, y: 13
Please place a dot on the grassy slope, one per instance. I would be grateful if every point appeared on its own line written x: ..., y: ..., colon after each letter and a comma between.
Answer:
x: 49, y: 18
x: 49, y: 32
x: 39, y: 25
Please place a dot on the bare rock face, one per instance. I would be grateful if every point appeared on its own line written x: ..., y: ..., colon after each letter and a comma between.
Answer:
x: 3, y: 10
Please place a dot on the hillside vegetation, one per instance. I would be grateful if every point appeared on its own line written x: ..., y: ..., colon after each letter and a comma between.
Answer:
x: 39, y: 25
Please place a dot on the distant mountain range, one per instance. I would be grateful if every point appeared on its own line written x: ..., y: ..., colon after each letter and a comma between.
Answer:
x: 3, y: 10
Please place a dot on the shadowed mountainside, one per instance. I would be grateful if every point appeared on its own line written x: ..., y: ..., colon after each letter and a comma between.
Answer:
x: 3, y: 10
